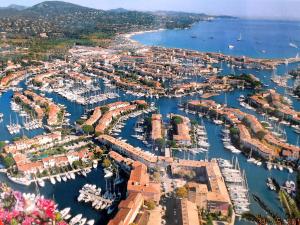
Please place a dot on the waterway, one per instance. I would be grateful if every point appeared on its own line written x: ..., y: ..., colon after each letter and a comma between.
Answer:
x: 259, y: 39
x: 223, y: 33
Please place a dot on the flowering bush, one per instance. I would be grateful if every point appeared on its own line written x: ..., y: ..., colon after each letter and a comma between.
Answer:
x: 16, y: 208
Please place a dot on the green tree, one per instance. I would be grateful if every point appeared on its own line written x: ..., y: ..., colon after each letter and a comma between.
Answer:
x: 177, y: 120
x: 156, y: 176
x: 172, y: 143
x: 141, y: 107
x: 260, y: 135
x: 150, y: 204
x: 106, y: 163
x: 104, y: 109
x: 76, y: 164
x: 8, y: 161
x: 209, y: 220
x: 194, y: 122
x: 160, y: 142
x: 2, y: 144
x: 80, y: 121
x: 230, y: 211
x: 181, y: 192
x: 234, y: 131
x: 88, y: 129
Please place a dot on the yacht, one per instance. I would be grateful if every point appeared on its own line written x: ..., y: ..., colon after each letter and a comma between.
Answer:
x: 82, y: 221
x: 290, y: 170
x: 41, y: 183
x: 218, y: 122
x: 231, y: 46
x: 65, y: 212
x: 108, y: 173
x: 72, y: 175
x: 95, y: 164
x: 64, y: 178
x: 242, y: 98
x: 269, y: 166
x: 240, y: 38
x: 67, y: 217
x: 52, y: 180
x: 68, y: 175
x: 58, y: 178
x: 293, y: 45
x: 90, y: 222
x: 76, y: 219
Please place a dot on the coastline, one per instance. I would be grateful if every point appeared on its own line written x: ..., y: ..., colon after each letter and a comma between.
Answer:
x: 271, y: 61
x: 129, y: 35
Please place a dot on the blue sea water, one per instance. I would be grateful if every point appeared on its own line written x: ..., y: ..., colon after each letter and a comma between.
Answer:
x: 259, y: 39
x: 272, y: 36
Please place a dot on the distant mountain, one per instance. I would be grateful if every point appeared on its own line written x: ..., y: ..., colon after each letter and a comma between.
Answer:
x: 119, y: 10
x: 57, y: 8
x: 13, y: 6
x: 63, y: 19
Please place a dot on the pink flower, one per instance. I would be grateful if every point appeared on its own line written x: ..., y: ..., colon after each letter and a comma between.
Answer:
x: 43, y: 212
x: 27, y: 221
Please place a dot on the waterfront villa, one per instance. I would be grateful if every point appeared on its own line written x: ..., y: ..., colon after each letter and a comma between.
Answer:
x: 128, y: 210
x: 210, y: 192
x: 182, y: 130
x: 156, y: 124
x: 139, y: 182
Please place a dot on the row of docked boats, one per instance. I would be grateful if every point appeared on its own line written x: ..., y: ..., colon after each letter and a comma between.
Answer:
x: 243, y: 103
x: 236, y: 183
x: 32, y: 123
x: 271, y: 166
x: 14, y: 128
x: 76, y: 220
x: 92, y: 194
x: 227, y: 142
x: 117, y: 129
x: 93, y: 99
x: 66, y: 176
x: 201, y: 139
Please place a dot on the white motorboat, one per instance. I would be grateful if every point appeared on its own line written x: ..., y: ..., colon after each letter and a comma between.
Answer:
x: 95, y: 164
x: 76, y: 219
x: 90, y: 222
x: 67, y: 217
x: 82, y: 221
x: 290, y: 170
x: 72, y: 176
x: 41, y: 183
x: 65, y: 212
x: 52, y: 180
x: 58, y: 178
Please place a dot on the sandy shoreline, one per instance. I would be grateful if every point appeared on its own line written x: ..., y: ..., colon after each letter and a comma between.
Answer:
x: 271, y: 62
x: 129, y: 36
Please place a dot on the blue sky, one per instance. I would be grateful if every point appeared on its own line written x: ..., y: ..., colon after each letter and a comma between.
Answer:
x: 273, y: 9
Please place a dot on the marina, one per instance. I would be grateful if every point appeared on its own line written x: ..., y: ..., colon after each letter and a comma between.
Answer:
x: 211, y: 140
x: 236, y: 185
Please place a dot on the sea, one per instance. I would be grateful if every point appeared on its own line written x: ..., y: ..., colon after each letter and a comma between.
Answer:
x: 254, y: 38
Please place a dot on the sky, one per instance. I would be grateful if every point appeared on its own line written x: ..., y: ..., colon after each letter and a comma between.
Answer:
x: 267, y: 9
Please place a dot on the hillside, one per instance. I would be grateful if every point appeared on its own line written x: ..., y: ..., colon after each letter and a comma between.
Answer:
x: 62, y: 19
x: 50, y: 28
